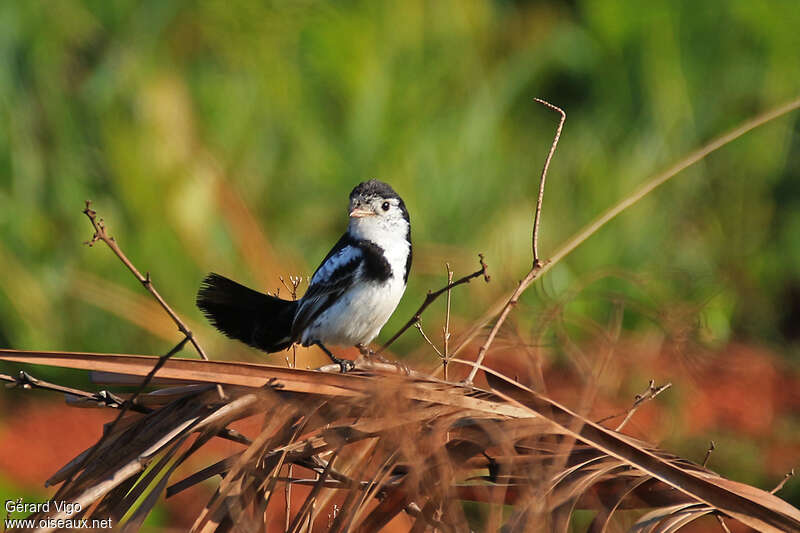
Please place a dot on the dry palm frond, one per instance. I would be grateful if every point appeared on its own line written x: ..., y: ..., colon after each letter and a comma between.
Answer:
x: 371, y: 445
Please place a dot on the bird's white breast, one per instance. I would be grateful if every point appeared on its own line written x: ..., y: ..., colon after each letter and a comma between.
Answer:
x: 359, y: 314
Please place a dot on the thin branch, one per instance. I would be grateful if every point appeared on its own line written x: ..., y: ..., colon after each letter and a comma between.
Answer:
x: 102, y: 398
x: 630, y: 200
x: 544, y: 176
x: 446, y: 333
x: 295, y: 283
x: 711, y: 448
x: 786, y: 478
x: 101, y: 234
x: 432, y: 296
x: 651, y: 392
x: 128, y: 405
x: 722, y: 523
x: 422, y: 332
x: 537, y: 267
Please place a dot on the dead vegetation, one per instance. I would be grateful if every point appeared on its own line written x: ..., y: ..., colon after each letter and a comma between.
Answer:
x: 353, y: 452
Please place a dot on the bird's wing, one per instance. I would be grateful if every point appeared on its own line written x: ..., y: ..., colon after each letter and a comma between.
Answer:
x: 333, y: 277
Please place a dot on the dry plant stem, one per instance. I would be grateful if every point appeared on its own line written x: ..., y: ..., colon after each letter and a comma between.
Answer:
x: 537, y: 267
x: 446, y: 333
x: 422, y: 332
x: 722, y: 523
x: 786, y: 478
x: 651, y: 392
x: 711, y: 448
x: 594, y: 226
x: 101, y: 234
x: 432, y: 296
x: 103, y: 398
x: 125, y: 408
x: 535, y: 238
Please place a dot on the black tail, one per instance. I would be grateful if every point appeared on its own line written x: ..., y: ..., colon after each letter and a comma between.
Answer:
x: 257, y: 319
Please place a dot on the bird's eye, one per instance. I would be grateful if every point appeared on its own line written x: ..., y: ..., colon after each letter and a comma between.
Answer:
x: 385, y: 206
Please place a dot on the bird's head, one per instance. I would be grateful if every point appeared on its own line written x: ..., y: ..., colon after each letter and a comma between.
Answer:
x: 377, y: 213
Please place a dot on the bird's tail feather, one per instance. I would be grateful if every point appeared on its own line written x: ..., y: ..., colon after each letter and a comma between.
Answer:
x: 257, y: 319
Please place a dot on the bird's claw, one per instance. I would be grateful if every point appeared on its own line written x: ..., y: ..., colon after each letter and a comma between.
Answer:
x: 346, y: 365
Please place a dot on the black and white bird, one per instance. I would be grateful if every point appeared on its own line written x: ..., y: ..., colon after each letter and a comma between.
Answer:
x: 351, y: 295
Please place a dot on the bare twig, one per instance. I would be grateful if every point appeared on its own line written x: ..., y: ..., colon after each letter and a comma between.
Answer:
x: 422, y: 332
x: 446, y: 333
x: 101, y: 234
x: 295, y: 283
x: 128, y: 405
x: 651, y: 392
x: 538, y: 265
x: 711, y: 448
x: 102, y: 398
x: 722, y: 523
x: 432, y: 296
x: 630, y: 200
x: 786, y: 478
x: 557, y: 136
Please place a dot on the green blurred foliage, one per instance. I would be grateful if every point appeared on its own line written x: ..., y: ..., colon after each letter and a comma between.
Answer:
x: 156, y: 110
x: 144, y: 107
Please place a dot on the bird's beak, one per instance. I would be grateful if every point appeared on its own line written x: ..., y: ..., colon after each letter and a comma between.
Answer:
x: 360, y: 212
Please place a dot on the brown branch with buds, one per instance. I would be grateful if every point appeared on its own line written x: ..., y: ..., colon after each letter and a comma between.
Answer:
x: 101, y: 234
x: 432, y: 296
x: 651, y: 392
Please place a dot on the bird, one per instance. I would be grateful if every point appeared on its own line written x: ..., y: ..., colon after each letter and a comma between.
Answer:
x: 350, y: 296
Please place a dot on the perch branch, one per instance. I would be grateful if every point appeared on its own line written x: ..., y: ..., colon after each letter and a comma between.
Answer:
x: 432, y: 296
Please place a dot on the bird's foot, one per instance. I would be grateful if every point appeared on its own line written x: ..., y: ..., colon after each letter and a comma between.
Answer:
x: 345, y: 365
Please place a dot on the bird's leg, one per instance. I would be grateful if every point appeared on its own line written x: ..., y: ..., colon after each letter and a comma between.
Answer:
x: 344, y: 364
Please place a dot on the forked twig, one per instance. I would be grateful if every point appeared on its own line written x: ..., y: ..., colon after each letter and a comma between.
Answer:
x: 651, y: 392
x: 538, y: 265
x: 432, y: 296
x: 630, y: 200
x: 102, y: 398
x: 101, y: 234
